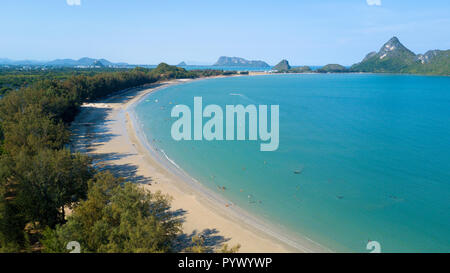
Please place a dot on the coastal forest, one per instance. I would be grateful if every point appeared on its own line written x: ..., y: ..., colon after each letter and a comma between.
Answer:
x: 50, y: 195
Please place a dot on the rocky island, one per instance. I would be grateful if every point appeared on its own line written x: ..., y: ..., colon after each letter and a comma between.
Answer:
x: 239, y: 62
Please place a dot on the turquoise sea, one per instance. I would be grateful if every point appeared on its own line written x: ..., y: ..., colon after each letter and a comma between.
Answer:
x: 373, y: 153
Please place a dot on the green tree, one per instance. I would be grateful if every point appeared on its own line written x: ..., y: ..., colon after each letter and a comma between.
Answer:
x: 117, y: 217
x: 46, y: 183
x: 33, y: 131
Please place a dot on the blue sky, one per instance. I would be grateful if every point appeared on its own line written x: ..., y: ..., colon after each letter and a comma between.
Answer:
x: 148, y: 32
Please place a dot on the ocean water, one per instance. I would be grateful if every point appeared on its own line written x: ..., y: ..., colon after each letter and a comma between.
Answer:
x: 373, y: 150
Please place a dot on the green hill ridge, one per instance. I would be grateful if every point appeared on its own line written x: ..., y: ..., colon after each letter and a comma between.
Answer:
x: 394, y: 57
x: 284, y: 67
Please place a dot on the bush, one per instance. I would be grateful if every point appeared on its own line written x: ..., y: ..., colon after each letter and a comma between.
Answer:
x: 117, y: 217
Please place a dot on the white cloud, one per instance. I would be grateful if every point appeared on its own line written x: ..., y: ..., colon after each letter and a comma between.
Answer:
x: 73, y: 2
x: 373, y: 2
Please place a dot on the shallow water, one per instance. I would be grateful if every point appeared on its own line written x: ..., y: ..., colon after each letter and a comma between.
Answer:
x: 373, y: 151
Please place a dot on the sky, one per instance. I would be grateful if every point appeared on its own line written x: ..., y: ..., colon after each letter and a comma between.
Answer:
x: 199, y: 32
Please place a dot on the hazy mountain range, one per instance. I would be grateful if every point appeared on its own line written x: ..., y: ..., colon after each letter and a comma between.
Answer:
x: 83, y: 62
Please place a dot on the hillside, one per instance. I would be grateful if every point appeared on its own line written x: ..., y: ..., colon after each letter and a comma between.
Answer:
x: 282, y: 66
x: 394, y: 57
x: 332, y: 68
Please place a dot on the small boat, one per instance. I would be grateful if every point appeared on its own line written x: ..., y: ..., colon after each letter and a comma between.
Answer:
x: 298, y: 171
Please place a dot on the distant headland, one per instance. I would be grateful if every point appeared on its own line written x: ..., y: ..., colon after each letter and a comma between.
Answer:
x: 393, y: 57
x: 81, y: 63
x: 239, y: 62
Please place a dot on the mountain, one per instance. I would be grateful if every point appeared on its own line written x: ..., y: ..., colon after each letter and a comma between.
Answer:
x: 98, y: 63
x: 394, y: 57
x: 282, y: 66
x: 182, y: 64
x: 83, y: 62
x: 429, y: 56
x: 332, y: 68
x: 63, y: 62
x: 436, y: 62
x: 239, y: 62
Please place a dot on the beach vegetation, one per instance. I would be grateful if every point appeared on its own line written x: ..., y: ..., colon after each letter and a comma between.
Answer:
x: 117, y: 216
x: 332, y: 68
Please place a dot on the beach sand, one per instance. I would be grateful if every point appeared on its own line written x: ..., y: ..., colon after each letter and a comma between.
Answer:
x: 105, y: 131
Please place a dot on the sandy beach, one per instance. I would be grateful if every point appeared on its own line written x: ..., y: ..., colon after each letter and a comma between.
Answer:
x: 105, y: 130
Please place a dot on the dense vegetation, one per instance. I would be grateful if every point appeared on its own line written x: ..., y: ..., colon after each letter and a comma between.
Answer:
x: 13, y: 78
x: 389, y: 64
x: 300, y: 69
x: 439, y: 64
x: 41, y: 179
x: 332, y: 68
x: 117, y: 217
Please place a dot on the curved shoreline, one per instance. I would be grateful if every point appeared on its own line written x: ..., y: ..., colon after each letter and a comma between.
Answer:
x: 204, y: 207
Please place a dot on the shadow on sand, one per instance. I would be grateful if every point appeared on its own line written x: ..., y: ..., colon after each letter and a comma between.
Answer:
x: 91, y: 129
x: 211, y: 240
